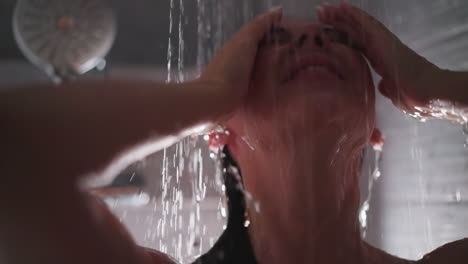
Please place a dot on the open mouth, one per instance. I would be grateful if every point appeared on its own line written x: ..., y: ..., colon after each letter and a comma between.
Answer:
x: 315, y: 67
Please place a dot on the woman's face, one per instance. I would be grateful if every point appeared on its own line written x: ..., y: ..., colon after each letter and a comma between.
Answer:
x: 307, y: 79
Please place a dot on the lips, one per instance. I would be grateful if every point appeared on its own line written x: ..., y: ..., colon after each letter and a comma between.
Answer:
x: 313, y: 65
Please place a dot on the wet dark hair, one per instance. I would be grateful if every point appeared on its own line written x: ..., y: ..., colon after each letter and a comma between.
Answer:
x: 234, y: 245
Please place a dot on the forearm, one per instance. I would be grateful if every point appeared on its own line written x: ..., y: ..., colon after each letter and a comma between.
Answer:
x: 454, y: 87
x: 449, y: 95
x: 77, y: 128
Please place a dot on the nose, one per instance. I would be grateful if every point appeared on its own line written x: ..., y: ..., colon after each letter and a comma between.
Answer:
x: 312, y: 34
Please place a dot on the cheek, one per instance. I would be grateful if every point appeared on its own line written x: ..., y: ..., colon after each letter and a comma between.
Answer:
x: 364, y: 108
x: 267, y: 75
x: 265, y: 64
x: 363, y: 91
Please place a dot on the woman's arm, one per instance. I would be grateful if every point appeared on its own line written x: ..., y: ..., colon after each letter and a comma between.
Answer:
x: 51, y: 135
x: 451, y: 87
x: 414, y: 85
x: 79, y: 128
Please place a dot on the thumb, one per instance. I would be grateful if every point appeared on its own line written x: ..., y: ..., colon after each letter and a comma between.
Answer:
x: 390, y: 90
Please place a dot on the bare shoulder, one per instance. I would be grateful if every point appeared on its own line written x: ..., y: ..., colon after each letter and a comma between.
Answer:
x: 451, y: 253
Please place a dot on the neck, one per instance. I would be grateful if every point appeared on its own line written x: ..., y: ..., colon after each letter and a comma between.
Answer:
x: 308, y: 196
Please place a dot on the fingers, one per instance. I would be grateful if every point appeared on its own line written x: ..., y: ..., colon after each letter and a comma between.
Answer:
x: 245, y: 45
x: 347, y: 58
x: 389, y: 90
x: 233, y: 63
x: 369, y: 36
x: 360, y: 15
x: 365, y: 30
x: 346, y: 18
x: 259, y: 26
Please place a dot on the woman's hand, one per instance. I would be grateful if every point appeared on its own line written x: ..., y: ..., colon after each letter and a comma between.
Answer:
x: 231, y: 68
x: 405, y: 74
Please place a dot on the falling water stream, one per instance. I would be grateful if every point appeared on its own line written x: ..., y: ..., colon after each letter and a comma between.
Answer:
x: 181, y: 208
x: 465, y: 132
x: 190, y: 154
x: 365, y: 206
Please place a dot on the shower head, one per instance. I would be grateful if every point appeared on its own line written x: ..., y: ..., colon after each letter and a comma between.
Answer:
x: 64, y: 37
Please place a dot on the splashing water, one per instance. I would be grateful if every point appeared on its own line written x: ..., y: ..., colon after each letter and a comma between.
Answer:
x: 364, y: 210
x: 442, y: 109
x: 169, y: 48
x: 181, y: 229
x: 465, y: 132
x: 186, y: 243
x: 181, y: 213
x: 216, y: 154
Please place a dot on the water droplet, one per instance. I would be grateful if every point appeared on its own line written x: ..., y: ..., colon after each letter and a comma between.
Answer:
x: 257, y: 206
x: 223, y: 212
x: 246, y: 141
x: 458, y: 197
x: 364, y: 210
x: 465, y: 132
x: 101, y: 65
x: 363, y: 214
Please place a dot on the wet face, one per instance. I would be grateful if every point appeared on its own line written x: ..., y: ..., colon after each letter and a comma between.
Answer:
x: 307, y: 79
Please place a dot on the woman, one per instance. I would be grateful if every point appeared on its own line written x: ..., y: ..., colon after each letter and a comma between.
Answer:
x: 54, y: 135
x: 299, y: 138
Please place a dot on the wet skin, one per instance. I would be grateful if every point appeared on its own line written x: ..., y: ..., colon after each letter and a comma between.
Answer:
x: 310, y: 112
x: 311, y: 103
x: 303, y: 69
